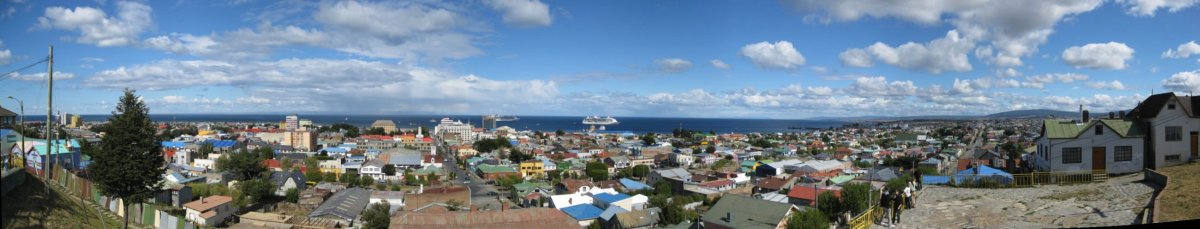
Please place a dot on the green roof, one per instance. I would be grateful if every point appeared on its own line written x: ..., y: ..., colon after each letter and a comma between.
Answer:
x: 1058, y: 128
x: 842, y: 179
x: 495, y: 169
x: 747, y: 212
x: 428, y: 170
x: 529, y: 186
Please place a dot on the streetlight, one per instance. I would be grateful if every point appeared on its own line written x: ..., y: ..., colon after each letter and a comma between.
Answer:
x: 24, y: 160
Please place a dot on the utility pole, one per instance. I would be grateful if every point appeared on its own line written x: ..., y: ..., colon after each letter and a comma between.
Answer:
x: 24, y: 156
x: 49, y: 113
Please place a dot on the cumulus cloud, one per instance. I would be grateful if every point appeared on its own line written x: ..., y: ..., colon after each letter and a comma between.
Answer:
x: 779, y: 55
x: 719, y: 64
x: 855, y: 58
x: 879, y: 86
x: 96, y: 27
x: 326, y: 84
x: 1012, y: 29
x: 523, y: 13
x: 5, y: 54
x: 673, y: 65
x: 1149, y: 7
x: 1114, y: 85
x: 970, y: 86
x: 1111, y: 55
x: 1184, y: 50
x: 943, y: 54
x: 1183, y: 82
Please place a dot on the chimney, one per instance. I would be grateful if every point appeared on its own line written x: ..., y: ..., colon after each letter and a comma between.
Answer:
x: 1112, y: 115
x: 728, y: 216
x: 1086, y: 117
x: 202, y: 199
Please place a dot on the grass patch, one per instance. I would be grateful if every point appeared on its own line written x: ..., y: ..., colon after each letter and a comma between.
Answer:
x: 1179, y: 200
x: 29, y: 206
x: 1086, y: 194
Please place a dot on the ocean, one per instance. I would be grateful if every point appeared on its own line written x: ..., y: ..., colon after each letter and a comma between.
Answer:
x: 541, y: 123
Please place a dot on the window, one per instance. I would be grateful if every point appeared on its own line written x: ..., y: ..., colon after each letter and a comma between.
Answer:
x: 1072, y: 155
x: 1174, y: 133
x: 1171, y: 106
x: 1173, y: 157
x: 1123, y: 153
x: 1099, y: 130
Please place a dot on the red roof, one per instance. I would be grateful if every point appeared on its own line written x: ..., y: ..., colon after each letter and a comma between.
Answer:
x: 717, y: 183
x: 962, y: 164
x: 169, y: 152
x: 272, y: 163
x: 427, y: 139
x: 772, y: 183
x: 809, y: 193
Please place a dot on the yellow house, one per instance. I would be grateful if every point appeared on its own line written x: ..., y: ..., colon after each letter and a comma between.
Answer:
x: 532, y: 168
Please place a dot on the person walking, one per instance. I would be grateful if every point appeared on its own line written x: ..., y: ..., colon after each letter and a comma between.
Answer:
x: 917, y: 175
x: 897, y: 208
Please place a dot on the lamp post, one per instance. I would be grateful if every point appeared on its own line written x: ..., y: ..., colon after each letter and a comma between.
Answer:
x: 24, y: 160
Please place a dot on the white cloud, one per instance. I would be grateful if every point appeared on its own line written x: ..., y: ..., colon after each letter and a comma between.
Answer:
x: 673, y: 65
x: 523, y: 13
x: 399, y: 30
x: 1111, y: 55
x: 855, y: 58
x: 779, y: 55
x: 943, y: 54
x: 5, y: 56
x: 42, y: 76
x: 1012, y: 28
x: 1149, y: 7
x: 326, y: 84
x: 96, y: 27
x: 878, y: 86
x: 719, y: 64
x: 1183, y: 82
x: 1184, y: 50
x: 1114, y: 85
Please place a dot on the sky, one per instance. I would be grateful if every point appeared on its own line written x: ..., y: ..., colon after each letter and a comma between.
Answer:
x: 789, y: 59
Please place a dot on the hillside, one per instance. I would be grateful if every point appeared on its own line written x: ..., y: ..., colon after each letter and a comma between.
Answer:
x: 29, y: 206
x: 1036, y: 113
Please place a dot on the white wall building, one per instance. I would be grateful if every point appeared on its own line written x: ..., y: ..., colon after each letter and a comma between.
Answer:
x: 1112, y: 145
x: 1174, y: 128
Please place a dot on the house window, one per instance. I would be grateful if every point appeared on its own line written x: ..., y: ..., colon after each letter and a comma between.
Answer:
x: 1173, y: 157
x: 1099, y: 130
x: 1174, y: 133
x: 1171, y: 106
x: 1123, y: 153
x: 1072, y: 155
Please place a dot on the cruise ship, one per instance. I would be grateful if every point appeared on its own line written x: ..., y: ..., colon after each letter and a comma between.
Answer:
x: 597, y: 120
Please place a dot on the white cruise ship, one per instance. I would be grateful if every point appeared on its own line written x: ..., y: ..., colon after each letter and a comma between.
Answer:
x: 597, y: 120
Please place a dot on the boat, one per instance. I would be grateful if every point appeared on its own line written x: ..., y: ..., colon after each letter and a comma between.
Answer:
x: 507, y: 118
x: 597, y: 120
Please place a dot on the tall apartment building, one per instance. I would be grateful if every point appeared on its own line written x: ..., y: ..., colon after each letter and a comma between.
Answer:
x: 291, y: 122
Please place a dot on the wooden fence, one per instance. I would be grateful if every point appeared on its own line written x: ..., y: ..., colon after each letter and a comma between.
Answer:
x: 145, y: 215
x: 1018, y: 180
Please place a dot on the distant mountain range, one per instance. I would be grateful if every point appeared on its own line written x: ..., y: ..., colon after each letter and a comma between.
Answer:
x: 1035, y: 113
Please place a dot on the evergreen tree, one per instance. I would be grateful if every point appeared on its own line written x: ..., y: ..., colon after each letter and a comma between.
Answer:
x: 129, y: 164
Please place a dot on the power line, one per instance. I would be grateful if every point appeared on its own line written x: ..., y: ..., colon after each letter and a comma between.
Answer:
x: 12, y: 73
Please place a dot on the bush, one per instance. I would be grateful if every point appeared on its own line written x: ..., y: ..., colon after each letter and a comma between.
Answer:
x: 293, y: 195
x: 810, y: 219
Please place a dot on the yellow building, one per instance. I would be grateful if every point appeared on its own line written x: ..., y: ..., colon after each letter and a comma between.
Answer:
x: 532, y: 168
x: 75, y: 121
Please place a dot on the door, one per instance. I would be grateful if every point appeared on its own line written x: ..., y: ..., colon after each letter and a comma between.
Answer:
x: 1194, y: 144
x: 1098, y: 158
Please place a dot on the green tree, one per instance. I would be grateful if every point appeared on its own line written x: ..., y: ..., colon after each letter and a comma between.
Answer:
x: 351, y: 179
x: 711, y: 148
x: 330, y: 177
x: 312, y: 163
x: 129, y: 164
x: 293, y: 195
x: 809, y: 219
x: 313, y: 175
x: 389, y: 169
x: 243, y: 164
x: 829, y: 204
x: 377, y: 216
x: 641, y: 171
x: 286, y: 164
x: 254, y: 191
x: 375, y: 131
x: 454, y: 205
x: 648, y: 139
x: 559, y: 133
x: 366, y: 181
x: 206, y: 148
x: 396, y: 187
x: 488, y: 145
x: 598, y: 171
x: 857, y: 196
x: 265, y: 153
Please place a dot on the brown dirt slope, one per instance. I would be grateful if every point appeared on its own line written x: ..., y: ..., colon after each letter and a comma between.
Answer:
x: 1179, y: 200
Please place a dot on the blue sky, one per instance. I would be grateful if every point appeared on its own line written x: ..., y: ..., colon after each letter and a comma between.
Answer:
x: 756, y: 59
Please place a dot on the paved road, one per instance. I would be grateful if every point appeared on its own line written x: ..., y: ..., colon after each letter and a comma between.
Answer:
x: 483, y: 195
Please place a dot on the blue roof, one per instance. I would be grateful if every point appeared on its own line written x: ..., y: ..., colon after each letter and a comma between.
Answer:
x: 5, y: 132
x: 633, y: 185
x: 610, y: 198
x: 985, y: 170
x: 583, y: 211
x: 335, y: 150
x: 173, y: 144
x: 221, y: 143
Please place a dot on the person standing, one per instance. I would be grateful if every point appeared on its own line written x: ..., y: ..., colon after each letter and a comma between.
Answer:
x: 917, y: 175
x: 908, y: 196
x: 897, y: 208
x: 885, y: 204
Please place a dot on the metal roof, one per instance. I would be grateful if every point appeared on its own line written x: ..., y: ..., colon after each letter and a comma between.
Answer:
x: 346, y: 204
x: 583, y: 211
x: 737, y: 211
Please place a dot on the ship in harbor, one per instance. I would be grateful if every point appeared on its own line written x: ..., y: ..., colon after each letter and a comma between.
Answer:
x: 597, y: 120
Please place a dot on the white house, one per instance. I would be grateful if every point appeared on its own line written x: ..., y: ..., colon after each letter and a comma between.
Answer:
x: 1112, y: 145
x: 209, y: 211
x: 373, y: 169
x: 282, y: 181
x: 1171, y: 125
x: 395, y: 199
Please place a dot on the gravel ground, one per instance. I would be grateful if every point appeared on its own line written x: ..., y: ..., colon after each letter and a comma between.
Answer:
x: 1115, y: 202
